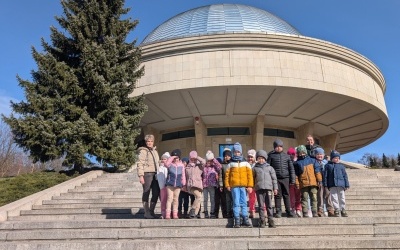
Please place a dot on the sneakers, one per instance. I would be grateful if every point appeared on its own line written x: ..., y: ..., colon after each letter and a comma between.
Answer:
x: 206, y: 215
x: 278, y: 214
x: 261, y: 223
x: 192, y: 214
x: 331, y: 213
x: 337, y: 214
x: 212, y: 215
x: 247, y: 222
x: 344, y: 213
x: 305, y: 214
x: 299, y: 214
x: 314, y: 214
x: 290, y: 214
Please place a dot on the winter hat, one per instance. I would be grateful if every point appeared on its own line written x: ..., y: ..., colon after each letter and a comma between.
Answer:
x: 301, y: 149
x: 227, y: 149
x: 227, y: 152
x: 251, y: 152
x: 291, y: 151
x: 237, y: 147
x: 278, y: 142
x: 166, y: 155
x: 319, y: 151
x: 193, y: 155
x: 334, y: 154
x: 176, y: 152
x: 209, y: 155
x: 185, y: 159
x: 262, y: 153
x: 219, y: 160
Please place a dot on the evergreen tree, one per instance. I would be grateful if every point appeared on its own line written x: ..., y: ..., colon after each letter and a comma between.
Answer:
x: 78, y: 100
x: 398, y: 159
x: 385, y: 162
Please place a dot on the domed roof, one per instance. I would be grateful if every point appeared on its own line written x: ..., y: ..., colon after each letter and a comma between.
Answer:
x: 219, y: 19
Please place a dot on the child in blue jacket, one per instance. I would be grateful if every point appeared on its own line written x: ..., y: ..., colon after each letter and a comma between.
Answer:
x: 335, y: 179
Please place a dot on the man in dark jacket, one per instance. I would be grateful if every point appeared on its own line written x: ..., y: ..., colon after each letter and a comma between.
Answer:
x: 284, y: 170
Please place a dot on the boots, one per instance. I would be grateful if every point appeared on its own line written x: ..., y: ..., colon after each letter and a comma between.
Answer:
x: 167, y: 214
x: 320, y: 212
x: 344, y: 213
x: 185, y: 215
x: 175, y: 215
x: 271, y: 223
x: 278, y: 213
x: 337, y: 213
x: 252, y: 214
x: 261, y: 223
x: 147, y: 214
x: 212, y: 215
x: 206, y: 214
x: 152, y: 207
x: 247, y: 222
x: 236, y: 222
x: 314, y: 214
x: 162, y: 215
x: 290, y: 214
x: 331, y: 213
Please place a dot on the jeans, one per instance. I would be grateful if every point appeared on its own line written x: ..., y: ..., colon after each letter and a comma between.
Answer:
x: 239, y: 199
x: 209, y: 191
x: 150, y: 184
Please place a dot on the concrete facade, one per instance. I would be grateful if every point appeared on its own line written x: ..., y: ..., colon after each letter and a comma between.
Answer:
x: 278, y: 81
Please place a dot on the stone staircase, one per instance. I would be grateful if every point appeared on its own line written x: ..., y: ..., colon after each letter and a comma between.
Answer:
x: 106, y: 213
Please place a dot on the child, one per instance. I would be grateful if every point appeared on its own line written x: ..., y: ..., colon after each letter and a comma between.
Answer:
x: 294, y: 190
x: 310, y: 177
x: 194, y: 184
x: 238, y: 180
x: 161, y: 177
x: 284, y: 170
x: 264, y: 182
x: 323, y: 193
x: 227, y: 156
x: 220, y: 200
x: 176, y: 179
x: 210, y: 182
x: 251, y: 159
x: 335, y: 179
x: 183, y: 200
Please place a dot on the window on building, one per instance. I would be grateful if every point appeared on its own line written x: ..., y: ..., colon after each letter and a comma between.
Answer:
x: 178, y: 135
x: 278, y: 133
x: 228, y: 131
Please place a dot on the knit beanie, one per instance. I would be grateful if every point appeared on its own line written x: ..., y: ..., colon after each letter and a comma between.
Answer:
x: 334, y: 154
x: 301, y: 149
x: 251, y: 152
x: 278, y: 142
x: 209, y: 156
x: 227, y: 152
x: 262, y: 153
x: 237, y: 147
x: 166, y: 155
x: 319, y: 150
x: 176, y: 152
x: 193, y: 155
x: 291, y: 151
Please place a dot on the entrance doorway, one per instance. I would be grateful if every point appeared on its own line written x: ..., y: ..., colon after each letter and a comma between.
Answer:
x: 222, y: 147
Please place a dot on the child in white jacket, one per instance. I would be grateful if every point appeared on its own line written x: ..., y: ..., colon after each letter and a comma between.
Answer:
x: 162, y: 177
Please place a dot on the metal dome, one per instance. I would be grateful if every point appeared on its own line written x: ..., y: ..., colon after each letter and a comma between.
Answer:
x: 219, y: 18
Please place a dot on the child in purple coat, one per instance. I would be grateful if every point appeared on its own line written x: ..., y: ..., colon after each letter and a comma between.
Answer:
x: 210, y: 182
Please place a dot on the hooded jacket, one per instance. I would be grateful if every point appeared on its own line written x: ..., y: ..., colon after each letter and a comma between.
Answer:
x: 264, y: 177
x: 194, y: 173
x: 307, y: 171
x: 335, y: 175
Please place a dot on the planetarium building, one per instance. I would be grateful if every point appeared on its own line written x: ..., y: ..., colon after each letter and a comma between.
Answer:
x: 223, y: 73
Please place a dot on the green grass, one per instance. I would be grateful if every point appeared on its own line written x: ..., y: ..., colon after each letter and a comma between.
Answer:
x: 15, y: 188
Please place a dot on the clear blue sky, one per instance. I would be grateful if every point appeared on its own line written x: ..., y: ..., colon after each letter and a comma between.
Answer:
x: 370, y: 27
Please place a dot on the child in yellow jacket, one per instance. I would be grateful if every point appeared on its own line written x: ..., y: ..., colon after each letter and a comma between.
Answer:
x: 238, y: 180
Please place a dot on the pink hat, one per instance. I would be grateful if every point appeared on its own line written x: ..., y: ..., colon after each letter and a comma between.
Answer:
x: 193, y: 155
x: 291, y: 151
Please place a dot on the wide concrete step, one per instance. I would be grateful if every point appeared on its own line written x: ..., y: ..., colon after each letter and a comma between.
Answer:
x: 328, y: 242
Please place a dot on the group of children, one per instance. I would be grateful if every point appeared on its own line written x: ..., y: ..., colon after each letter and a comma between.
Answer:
x: 235, y: 183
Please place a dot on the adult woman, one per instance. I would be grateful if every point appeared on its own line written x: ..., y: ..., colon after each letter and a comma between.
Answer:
x: 147, y: 166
